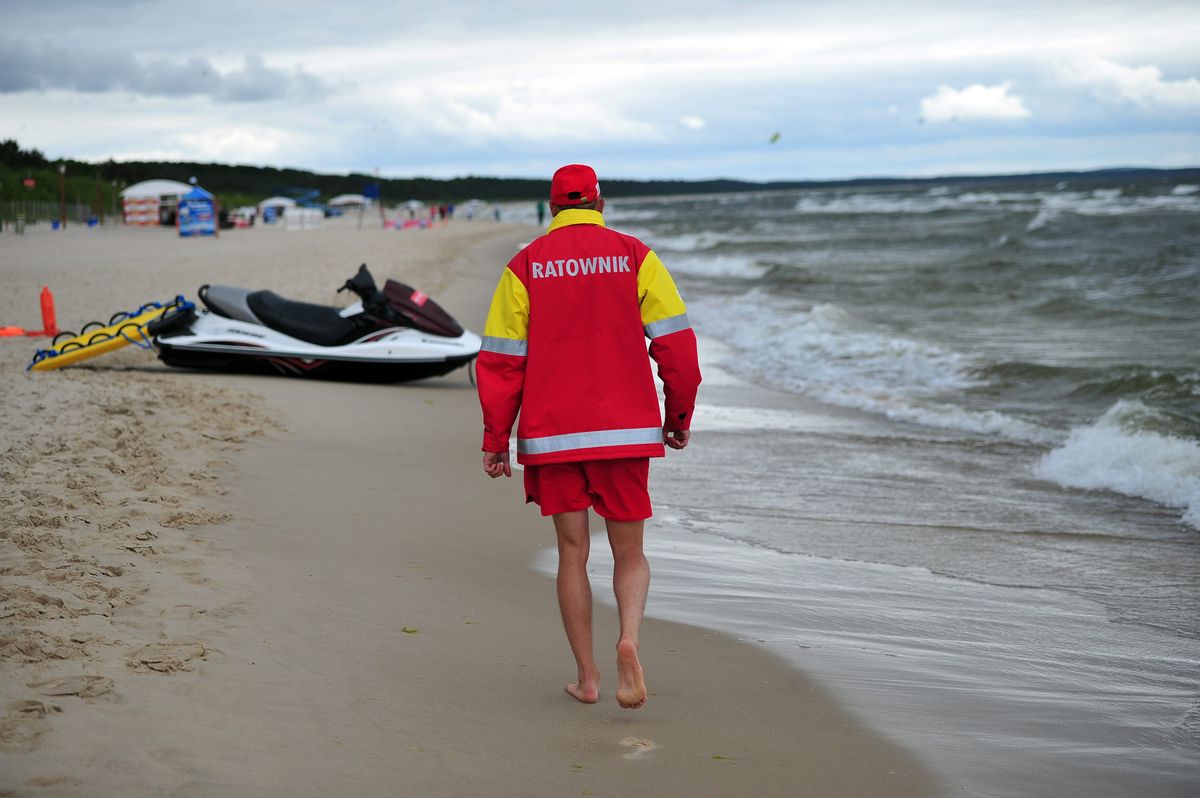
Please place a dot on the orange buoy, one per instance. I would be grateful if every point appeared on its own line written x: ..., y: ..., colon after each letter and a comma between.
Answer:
x: 49, y: 323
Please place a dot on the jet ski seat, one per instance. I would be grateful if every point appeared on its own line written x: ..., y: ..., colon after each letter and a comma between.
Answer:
x: 228, y: 301
x: 316, y: 324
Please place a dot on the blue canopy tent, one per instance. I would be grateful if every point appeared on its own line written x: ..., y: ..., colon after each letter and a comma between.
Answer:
x: 197, y: 213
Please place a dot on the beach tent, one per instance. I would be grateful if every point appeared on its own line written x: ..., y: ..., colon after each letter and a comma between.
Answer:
x: 197, y: 214
x: 349, y: 201
x: 272, y: 208
x: 244, y: 215
x: 143, y: 202
x: 304, y: 218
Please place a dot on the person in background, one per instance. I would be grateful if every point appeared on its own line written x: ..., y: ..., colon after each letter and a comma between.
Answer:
x: 564, y: 347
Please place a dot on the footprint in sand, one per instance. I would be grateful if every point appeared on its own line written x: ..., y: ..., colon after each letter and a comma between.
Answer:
x: 181, y: 519
x: 166, y: 657
x: 83, y: 685
x: 181, y: 612
x: 22, y: 727
x: 29, y: 604
x: 638, y: 747
x: 31, y: 645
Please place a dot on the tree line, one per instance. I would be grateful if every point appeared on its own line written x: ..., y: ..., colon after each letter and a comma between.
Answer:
x: 97, y: 184
x: 238, y: 185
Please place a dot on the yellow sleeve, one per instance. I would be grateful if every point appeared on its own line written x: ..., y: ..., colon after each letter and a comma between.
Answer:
x: 663, y: 309
x: 507, y: 326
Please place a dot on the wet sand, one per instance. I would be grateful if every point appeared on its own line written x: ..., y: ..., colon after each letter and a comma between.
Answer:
x: 225, y: 585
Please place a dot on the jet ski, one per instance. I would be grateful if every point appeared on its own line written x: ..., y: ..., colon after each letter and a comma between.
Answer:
x: 394, y: 335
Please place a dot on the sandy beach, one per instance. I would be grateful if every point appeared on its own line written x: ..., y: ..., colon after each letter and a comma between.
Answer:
x: 232, y: 585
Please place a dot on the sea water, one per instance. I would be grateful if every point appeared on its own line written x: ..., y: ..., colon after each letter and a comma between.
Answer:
x: 947, y: 459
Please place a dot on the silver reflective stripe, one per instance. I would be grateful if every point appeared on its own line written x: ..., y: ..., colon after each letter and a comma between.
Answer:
x: 667, y: 326
x: 589, y: 440
x: 504, y: 346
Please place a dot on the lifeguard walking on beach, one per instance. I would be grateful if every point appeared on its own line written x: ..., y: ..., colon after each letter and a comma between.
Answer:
x: 564, y: 345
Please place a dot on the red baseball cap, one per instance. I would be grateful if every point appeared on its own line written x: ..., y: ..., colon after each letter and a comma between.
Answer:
x: 574, y: 184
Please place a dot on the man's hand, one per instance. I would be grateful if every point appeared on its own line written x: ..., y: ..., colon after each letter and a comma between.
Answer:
x: 676, y: 439
x: 496, y: 463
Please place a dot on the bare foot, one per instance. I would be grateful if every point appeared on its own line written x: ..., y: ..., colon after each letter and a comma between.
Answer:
x: 585, y: 690
x: 631, y: 684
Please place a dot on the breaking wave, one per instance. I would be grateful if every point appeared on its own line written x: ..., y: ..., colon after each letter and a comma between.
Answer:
x: 737, y: 266
x: 1124, y: 452
x: 1045, y: 205
x: 823, y: 352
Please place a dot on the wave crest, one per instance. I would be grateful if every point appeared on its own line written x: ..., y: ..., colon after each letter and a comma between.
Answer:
x: 824, y: 352
x: 1123, y: 453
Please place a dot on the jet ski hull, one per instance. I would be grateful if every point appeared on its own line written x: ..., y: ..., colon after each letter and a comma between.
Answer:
x: 264, y: 362
x: 215, y: 343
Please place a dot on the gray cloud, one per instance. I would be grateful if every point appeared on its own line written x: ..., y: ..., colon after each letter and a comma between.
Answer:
x: 458, y: 87
x: 45, y: 66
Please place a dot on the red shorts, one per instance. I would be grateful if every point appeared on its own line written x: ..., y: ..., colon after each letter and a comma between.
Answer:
x: 616, y: 488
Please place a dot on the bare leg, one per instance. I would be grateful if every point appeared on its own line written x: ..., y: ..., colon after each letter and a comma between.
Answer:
x: 575, y: 601
x: 631, y: 582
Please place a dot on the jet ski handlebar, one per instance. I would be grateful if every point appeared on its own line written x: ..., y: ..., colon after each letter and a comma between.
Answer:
x: 401, y: 305
x: 363, y: 284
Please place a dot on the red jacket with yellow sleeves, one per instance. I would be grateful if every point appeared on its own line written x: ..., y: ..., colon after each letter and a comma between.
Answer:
x: 564, y: 345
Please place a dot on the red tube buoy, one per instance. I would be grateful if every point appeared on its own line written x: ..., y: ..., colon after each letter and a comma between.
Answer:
x: 49, y: 323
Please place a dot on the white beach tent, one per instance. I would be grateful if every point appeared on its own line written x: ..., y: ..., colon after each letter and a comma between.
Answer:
x: 349, y: 201
x: 304, y: 218
x: 141, y: 201
x: 280, y: 204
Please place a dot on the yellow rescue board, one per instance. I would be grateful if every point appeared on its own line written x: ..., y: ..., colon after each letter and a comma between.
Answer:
x: 99, y: 341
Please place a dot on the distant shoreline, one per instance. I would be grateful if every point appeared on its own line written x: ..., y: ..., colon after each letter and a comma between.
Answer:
x: 222, y: 178
x: 241, y: 184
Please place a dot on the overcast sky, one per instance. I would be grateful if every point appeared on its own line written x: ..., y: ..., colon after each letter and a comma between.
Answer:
x: 639, y: 89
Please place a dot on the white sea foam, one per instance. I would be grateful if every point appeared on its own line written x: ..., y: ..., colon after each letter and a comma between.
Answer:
x: 1043, y: 218
x: 719, y: 266
x: 1047, y: 206
x: 619, y: 215
x: 1051, y: 207
x: 1104, y: 206
x: 874, y: 204
x: 726, y: 418
x: 939, y: 415
x: 991, y: 198
x: 1108, y: 202
x: 1115, y: 454
x: 825, y: 353
x: 713, y: 354
x: 929, y: 202
x: 705, y: 240
x: 687, y: 242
